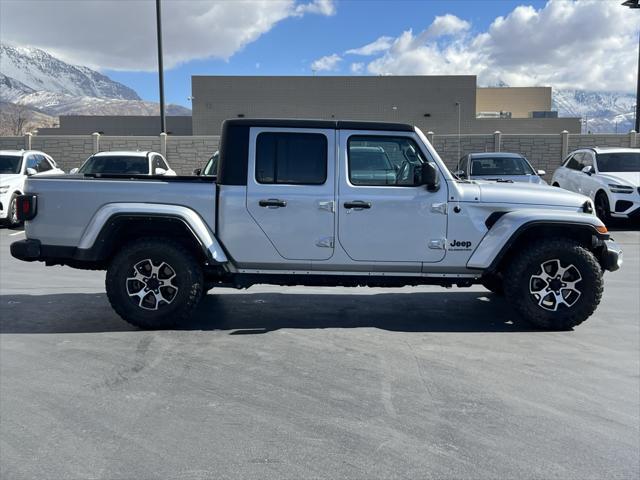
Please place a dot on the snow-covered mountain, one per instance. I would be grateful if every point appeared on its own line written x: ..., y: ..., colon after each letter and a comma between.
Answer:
x: 603, y: 112
x: 39, y: 70
x: 34, y: 80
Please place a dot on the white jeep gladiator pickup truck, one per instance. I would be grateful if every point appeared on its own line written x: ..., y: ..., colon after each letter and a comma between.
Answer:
x: 330, y: 203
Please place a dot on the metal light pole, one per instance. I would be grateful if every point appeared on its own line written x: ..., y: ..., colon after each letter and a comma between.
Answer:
x: 636, y: 4
x: 458, y: 107
x: 163, y: 126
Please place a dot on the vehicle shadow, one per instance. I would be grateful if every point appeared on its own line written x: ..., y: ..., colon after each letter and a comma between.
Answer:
x: 259, y: 313
x: 620, y: 225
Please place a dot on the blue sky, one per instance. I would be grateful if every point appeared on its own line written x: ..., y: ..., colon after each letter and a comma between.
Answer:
x: 292, y: 45
x: 565, y: 44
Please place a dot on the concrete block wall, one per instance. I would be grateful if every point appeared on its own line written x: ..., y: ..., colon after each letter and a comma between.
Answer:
x: 543, y: 151
x: 447, y: 146
x: 68, y: 151
x: 185, y: 153
x: 11, y: 143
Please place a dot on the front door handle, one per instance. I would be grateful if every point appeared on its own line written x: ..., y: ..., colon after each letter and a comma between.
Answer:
x: 357, y: 205
x: 272, y: 203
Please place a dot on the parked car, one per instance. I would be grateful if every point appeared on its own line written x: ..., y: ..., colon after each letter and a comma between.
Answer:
x: 127, y: 163
x: 287, y: 209
x: 609, y: 176
x: 15, y: 167
x: 211, y: 168
x: 498, y: 166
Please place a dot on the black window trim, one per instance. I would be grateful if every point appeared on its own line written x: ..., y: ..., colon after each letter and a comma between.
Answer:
x: 275, y: 182
x: 383, y: 135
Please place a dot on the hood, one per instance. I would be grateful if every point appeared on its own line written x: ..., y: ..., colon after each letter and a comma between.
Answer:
x: 513, y: 178
x: 11, y: 178
x: 529, y: 194
x: 622, y: 178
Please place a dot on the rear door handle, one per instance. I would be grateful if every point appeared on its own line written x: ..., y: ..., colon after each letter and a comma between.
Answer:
x: 272, y: 203
x: 357, y: 205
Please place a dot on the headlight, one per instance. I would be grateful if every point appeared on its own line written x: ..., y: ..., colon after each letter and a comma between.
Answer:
x: 615, y: 188
x: 4, y: 189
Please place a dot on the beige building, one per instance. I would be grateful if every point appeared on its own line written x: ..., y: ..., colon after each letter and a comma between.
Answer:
x: 519, y: 101
x: 442, y: 104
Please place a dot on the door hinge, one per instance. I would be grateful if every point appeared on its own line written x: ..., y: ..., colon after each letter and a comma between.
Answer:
x: 326, y: 242
x: 329, y: 206
x: 439, y: 208
x: 437, y: 243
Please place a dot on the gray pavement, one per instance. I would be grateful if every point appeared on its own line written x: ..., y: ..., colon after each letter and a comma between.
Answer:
x: 314, y: 383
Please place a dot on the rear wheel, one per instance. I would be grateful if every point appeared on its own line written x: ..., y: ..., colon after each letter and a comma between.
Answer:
x: 554, y: 284
x: 154, y: 283
x: 603, y: 209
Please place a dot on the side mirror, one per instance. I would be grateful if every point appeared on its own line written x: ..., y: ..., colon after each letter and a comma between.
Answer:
x: 429, y: 176
x: 459, y: 173
x: 31, y: 171
x: 159, y: 171
x: 541, y: 172
x: 197, y: 171
x: 588, y: 169
x: 73, y: 171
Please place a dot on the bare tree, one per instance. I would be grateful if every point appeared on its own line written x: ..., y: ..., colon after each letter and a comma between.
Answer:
x: 13, y: 119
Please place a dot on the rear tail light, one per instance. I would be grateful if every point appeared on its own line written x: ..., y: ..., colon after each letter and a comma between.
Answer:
x: 27, y: 207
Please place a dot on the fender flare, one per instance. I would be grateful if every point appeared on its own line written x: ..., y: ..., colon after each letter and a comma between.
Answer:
x: 194, y: 222
x: 512, y: 225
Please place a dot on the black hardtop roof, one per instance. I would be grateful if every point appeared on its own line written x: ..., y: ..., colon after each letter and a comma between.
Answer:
x: 330, y: 124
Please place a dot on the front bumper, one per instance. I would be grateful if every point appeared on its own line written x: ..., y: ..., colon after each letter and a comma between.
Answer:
x: 611, y: 256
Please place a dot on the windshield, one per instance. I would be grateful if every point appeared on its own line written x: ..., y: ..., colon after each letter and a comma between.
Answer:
x: 113, y: 164
x: 496, y: 166
x: 619, y: 162
x: 212, y: 166
x: 10, y: 163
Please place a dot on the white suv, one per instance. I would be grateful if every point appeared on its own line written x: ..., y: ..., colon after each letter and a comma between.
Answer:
x: 609, y: 176
x: 125, y: 163
x: 15, y: 167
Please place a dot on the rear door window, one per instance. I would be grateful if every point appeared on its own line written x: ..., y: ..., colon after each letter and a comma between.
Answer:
x: 291, y: 158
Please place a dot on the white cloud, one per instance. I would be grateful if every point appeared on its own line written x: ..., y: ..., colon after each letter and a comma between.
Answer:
x: 357, y: 67
x: 446, y: 25
x: 377, y: 46
x: 121, y: 35
x: 586, y: 44
x: 322, y: 7
x: 327, y: 63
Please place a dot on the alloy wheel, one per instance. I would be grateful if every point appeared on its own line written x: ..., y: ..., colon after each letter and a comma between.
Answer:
x: 152, y: 285
x: 555, y: 285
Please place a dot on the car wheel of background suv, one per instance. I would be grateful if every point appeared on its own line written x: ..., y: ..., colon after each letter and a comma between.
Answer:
x: 12, y: 213
x: 603, y: 209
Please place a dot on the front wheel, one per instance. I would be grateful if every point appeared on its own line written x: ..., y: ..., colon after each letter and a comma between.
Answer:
x: 12, y: 212
x: 603, y: 209
x: 154, y: 283
x: 555, y: 284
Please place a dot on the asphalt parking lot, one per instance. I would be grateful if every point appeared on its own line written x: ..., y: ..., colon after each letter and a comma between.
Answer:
x: 314, y: 383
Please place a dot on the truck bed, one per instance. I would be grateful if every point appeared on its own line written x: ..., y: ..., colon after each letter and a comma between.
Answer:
x: 66, y: 204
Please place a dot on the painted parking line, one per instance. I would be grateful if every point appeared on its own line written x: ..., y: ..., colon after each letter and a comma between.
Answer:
x: 16, y: 233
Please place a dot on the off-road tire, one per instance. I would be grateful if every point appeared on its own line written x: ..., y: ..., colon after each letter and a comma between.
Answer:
x: 493, y: 283
x: 528, y: 263
x: 603, y: 208
x: 188, y: 280
x: 12, y: 219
